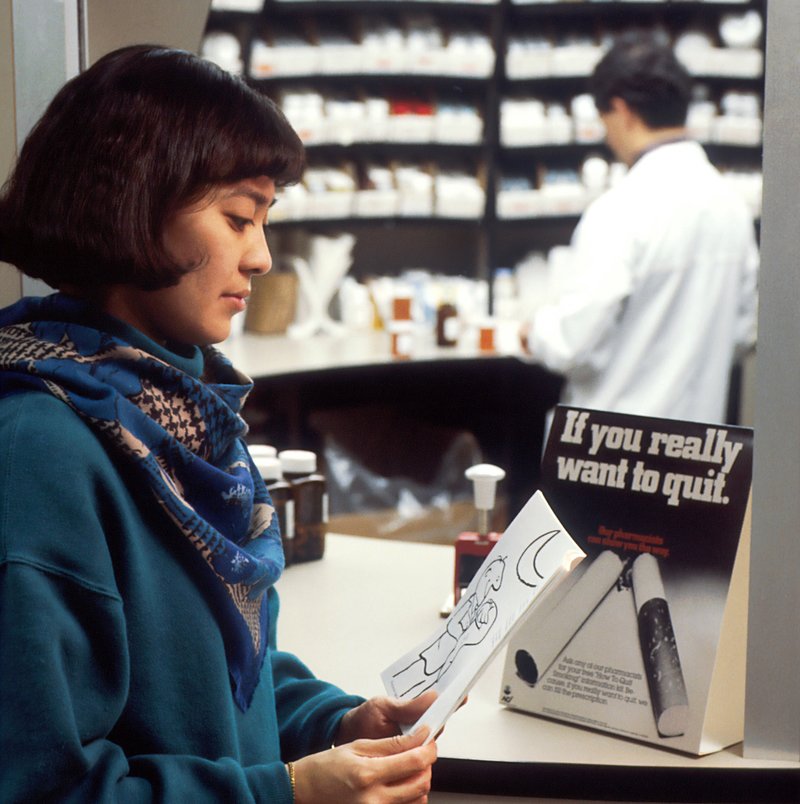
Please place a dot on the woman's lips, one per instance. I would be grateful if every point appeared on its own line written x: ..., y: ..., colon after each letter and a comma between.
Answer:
x: 238, y: 300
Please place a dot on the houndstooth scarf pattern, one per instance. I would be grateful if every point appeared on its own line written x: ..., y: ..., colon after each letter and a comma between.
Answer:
x: 181, y: 434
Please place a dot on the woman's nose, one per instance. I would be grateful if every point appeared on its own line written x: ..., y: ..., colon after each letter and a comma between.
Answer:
x: 257, y: 259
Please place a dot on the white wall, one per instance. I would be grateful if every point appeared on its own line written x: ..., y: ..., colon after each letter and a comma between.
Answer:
x: 114, y: 23
x: 10, y: 281
x: 772, y: 711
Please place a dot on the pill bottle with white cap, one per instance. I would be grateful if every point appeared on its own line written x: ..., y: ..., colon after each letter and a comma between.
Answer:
x: 269, y: 467
x: 309, y: 494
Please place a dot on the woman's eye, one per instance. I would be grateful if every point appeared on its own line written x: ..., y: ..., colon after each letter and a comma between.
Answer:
x: 239, y: 223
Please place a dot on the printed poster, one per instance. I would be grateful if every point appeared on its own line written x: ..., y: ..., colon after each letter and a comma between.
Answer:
x: 629, y: 644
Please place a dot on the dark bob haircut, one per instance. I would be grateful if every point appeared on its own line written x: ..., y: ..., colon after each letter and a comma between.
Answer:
x: 643, y: 71
x: 141, y: 134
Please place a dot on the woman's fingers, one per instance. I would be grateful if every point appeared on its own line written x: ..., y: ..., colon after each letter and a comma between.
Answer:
x: 389, y: 770
x: 413, y: 789
x: 381, y: 717
x: 398, y: 758
x: 411, y: 711
x: 390, y: 746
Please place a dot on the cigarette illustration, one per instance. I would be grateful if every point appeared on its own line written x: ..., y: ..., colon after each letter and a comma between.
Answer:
x: 659, y: 649
x: 568, y: 616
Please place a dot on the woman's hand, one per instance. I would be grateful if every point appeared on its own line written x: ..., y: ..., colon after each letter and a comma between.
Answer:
x: 391, y: 770
x: 382, y: 717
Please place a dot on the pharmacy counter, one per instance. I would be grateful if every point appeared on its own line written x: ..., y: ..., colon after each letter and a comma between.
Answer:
x: 500, y: 398
x: 368, y: 601
x: 262, y: 356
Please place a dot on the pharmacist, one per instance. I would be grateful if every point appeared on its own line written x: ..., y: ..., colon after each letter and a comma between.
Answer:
x: 660, y: 296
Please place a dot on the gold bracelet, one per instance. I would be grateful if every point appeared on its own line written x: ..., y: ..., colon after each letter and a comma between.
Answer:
x: 290, y: 771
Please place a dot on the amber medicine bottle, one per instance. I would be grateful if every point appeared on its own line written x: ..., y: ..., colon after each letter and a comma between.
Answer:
x: 310, y: 499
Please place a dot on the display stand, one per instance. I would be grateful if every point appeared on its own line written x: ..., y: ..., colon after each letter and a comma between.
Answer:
x: 485, y: 749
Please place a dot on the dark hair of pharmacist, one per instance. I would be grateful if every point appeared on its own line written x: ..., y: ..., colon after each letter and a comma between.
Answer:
x: 643, y: 70
x: 143, y: 133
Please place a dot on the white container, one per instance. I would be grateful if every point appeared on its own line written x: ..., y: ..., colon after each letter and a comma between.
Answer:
x: 298, y: 461
x: 375, y: 203
x: 225, y: 50
x: 262, y: 451
x: 269, y: 467
x: 513, y: 204
x: 504, y: 295
x: 411, y: 128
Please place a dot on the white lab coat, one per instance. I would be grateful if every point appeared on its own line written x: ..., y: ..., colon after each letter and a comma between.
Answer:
x: 660, y: 294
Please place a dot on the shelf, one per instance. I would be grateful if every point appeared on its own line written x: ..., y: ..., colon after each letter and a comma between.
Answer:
x: 392, y: 79
x: 388, y: 222
x: 576, y: 63
x: 677, y: 9
x: 563, y: 81
x: 367, y: 151
x: 559, y: 150
x: 428, y: 149
x: 489, y: 149
x: 543, y: 221
x: 372, y: 6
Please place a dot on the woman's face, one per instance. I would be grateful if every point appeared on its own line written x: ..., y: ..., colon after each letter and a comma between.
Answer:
x: 222, y: 238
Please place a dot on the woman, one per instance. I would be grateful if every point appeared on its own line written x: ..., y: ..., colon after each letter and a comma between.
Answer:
x: 138, y: 546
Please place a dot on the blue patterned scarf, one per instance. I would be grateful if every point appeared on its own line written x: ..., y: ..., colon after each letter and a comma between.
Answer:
x: 181, y: 434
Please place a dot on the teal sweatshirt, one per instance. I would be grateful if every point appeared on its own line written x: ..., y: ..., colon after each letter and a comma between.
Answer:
x: 114, y: 684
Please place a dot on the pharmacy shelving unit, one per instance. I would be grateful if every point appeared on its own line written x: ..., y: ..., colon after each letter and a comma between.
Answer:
x: 415, y: 227
x: 545, y: 136
x: 449, y: 70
